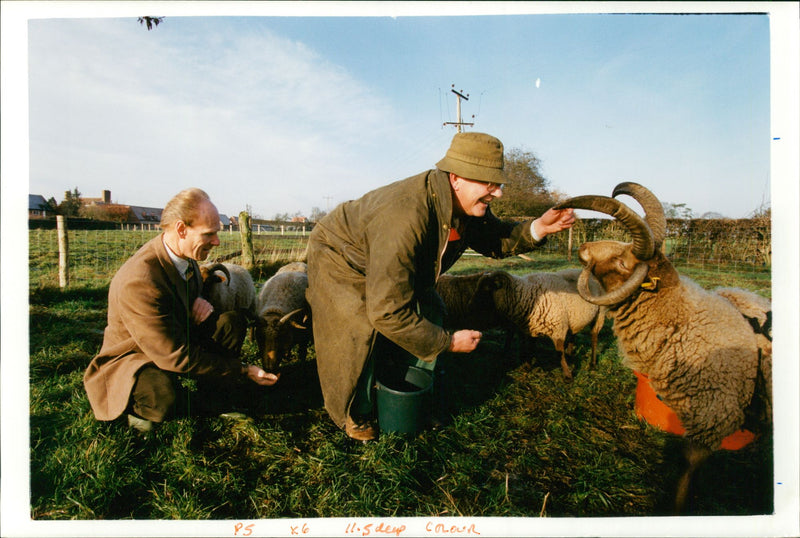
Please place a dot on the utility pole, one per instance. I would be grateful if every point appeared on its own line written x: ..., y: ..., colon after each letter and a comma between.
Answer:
x: 459, y: 96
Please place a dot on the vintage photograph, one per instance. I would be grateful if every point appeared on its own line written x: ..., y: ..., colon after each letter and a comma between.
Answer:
x: 409, y: 269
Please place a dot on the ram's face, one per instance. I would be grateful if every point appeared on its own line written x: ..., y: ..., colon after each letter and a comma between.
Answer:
x: 274, y: 340
x: 276, y: 334
x: 611, y: 262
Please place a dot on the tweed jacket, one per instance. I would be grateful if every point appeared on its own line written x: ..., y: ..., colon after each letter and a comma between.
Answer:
x: 148, y: 323
x: 369, y: 261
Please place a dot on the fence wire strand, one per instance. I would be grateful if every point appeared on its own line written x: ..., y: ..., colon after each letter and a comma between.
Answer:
x: 95, y: 255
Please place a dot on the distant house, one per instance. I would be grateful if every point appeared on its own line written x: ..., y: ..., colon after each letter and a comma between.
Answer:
x: 37, y: 206
x: 144, y: 215
x: 103, y: 209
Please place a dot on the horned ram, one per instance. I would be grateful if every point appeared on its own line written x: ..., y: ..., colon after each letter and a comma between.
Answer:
x: 700, y: 353
x: 283, y: 315
x: 227, y: 287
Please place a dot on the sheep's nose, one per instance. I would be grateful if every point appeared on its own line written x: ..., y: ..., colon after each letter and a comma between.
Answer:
x: 270, y: 360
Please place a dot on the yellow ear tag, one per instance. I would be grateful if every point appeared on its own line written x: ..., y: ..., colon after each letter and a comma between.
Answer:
x: 651, y: 285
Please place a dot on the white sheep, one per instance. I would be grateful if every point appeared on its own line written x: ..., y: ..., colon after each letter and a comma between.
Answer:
x: 227, y: 287
x: 699, y: 352
x: 567, y: 315
x: 283, y: 315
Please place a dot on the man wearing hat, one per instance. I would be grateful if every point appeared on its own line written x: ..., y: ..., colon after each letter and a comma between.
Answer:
x: 373, y: 264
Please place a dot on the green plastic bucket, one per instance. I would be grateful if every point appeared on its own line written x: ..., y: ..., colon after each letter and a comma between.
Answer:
x: 404, y: 400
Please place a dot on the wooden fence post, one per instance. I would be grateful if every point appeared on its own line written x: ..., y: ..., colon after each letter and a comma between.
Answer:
x: 63, y: 251
x: 569, y: 245
x: 248, y: 258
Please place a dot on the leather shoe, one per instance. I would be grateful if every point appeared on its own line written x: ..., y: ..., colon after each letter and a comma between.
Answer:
x: 361, y: 430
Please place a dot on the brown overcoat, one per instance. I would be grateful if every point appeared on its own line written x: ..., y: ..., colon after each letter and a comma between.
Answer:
x: 148, y: 323
x: 370, y: 259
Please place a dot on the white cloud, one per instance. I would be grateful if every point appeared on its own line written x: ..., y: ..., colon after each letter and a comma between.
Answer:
x: 255, y: 118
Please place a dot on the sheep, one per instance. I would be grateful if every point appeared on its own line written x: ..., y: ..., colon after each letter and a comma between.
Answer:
x: 568, y: 315
x: 465, y: 308
x: 538, y: 304
x: 546, y: 304
x: 699, y: 352
x: 293, y: 266
x: 757, y: 310
x: 239, y: 291
x: 283, y: 315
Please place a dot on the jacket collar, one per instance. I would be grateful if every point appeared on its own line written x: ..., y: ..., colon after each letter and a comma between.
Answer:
x: 442, y: 199
x: 174, y: 274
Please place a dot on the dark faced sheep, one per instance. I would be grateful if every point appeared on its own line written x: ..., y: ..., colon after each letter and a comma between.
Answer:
x: 699, y: 352
x: 546, y: 304
x: 465, y: 308
x: 537, y: 304
x: 283, y: 318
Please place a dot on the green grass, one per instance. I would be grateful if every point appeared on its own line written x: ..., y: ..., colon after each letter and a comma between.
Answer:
x: 520, y: 442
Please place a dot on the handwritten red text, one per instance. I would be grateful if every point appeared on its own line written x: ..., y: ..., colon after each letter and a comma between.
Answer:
x: 240, y: 529
x: 371, y: 528
x: 441, y: 528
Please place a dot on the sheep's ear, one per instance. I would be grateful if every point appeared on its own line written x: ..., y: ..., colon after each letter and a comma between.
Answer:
x: 486, y: 283
x: 499, y: 280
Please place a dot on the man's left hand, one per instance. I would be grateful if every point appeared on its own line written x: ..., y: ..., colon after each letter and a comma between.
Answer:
x: 201, y: 309
x: 259, y: 376
x: 553, y: 221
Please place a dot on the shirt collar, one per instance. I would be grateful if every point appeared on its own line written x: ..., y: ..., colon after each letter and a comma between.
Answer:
x: 180, y: 264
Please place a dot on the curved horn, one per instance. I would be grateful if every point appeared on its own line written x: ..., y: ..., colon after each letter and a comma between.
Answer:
x: 219, y: 267
x: 653, y: 210
x: 290, y: 315
x: 643, y: 243
x: 616, y: 296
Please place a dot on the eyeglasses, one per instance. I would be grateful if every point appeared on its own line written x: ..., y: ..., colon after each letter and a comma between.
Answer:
x: 491, y: 187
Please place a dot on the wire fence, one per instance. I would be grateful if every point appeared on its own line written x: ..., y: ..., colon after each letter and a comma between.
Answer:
x: 95, y: 255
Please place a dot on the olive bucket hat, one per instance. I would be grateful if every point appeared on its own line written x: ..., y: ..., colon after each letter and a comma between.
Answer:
x: 477, y: 156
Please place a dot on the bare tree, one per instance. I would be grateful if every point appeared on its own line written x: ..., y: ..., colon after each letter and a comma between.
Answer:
x: 527, y: 191
x: 316, y: 214
x: 677, y: 211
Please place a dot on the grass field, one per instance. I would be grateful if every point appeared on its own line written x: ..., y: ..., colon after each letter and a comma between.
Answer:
x: 520, y: 440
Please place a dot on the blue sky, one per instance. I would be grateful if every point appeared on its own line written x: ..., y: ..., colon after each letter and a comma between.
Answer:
x: 283, y: 114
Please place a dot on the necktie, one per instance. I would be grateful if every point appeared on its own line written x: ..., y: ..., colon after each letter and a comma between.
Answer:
x: 191, y: 283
